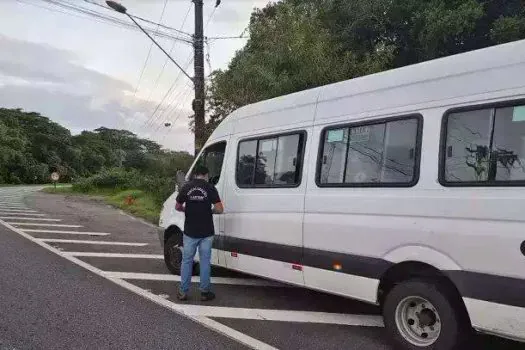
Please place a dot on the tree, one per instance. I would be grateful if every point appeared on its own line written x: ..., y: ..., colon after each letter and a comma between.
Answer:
x: 300, y: 44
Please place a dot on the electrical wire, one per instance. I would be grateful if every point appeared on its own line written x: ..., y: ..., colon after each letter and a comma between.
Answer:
x: 107, y: 19
x: 142, y: 19
x: 149, y: 51
x: 151, y: 120
x: 166, y: 60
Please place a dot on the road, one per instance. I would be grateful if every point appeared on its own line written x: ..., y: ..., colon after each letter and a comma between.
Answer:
x: 78, y: 274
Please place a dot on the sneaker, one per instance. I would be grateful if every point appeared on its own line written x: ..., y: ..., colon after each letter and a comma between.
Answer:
x: 207, y: 296
x: 182, y: 296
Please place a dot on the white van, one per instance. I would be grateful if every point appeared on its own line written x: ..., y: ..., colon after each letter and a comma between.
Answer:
x: 403, y: 189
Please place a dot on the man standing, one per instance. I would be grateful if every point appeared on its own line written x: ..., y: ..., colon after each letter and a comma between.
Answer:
x: 199, y: 200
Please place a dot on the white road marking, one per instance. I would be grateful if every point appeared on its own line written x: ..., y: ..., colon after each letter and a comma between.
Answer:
x: 115, y: 255
x: 55, y: 240
x: 20, y: 214
x: 69, y: 232
x: 211, y: 324
x: 284, y: 315
x: 174, y: 278
x: 19, y: 210
x: 43, y: 224
x: 28, y: 219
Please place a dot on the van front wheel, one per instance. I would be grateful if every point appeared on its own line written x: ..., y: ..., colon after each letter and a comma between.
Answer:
x: 421, y: 314
x: 173, y: 255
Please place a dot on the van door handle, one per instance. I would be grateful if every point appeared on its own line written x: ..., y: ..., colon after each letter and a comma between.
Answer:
x: 523, y: 247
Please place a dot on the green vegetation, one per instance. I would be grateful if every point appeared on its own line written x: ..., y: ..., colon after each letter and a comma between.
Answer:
x: 300, y: 44
x: 32, y: 146
x: 103, y: 162
x: 294, y: 45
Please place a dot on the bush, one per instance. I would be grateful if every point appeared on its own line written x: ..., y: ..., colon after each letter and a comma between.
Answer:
x: 112, y: 179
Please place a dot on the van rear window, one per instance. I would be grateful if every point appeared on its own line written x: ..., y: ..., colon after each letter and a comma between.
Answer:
x: 373, y: 154
x: 484, y: 147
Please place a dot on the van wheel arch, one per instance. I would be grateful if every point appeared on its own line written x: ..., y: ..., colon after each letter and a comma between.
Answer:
x: 413, y: 270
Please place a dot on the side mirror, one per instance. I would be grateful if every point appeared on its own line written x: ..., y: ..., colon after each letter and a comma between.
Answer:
x: 181, y: 178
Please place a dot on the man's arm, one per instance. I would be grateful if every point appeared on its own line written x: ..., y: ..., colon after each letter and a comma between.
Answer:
x: 181, y: 199
x: 218, y: 207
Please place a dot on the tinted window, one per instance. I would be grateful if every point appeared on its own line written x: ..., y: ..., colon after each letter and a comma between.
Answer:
x: 212, y: 158
x: 334, y: 153
x: 286, y: 161
x: 267, y: 152
x: 467, y: 146
x: 485, y: 146
x: 508, y: 149
x: 379, y: 153
x: 270, y: 161
x: 246, y: 162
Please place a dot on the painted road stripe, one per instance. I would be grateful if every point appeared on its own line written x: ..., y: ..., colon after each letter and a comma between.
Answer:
x: 284, y: 315
x: 207, y: 322
x: 20, y: 214
x: 68, y: 232
x: 114, y: 255
x: 173, y: 278
x: 43, y: 224
x: 18, y: 210
x: 55, y: 240
x: 28, y: 219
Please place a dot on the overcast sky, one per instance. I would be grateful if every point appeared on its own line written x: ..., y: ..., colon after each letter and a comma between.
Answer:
x: 83, y: 72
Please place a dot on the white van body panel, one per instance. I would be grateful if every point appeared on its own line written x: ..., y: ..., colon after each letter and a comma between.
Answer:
x: 350, y: 237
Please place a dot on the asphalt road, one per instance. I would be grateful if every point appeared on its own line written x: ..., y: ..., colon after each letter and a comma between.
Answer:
x: 78, y: 274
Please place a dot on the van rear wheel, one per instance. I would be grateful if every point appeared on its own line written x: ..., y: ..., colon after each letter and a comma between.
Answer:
x: 421, y: 314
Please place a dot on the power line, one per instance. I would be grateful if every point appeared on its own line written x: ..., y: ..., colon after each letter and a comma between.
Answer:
x: 152, y: 118
x: 226, y: 37
x: 107, y: 19
x: 149, y: 51
x: 166, y: 60
x: 180, y: 31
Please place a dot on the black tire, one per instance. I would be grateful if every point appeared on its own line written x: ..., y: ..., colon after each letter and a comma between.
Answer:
x: 173, y: 256
x: 455, y: 330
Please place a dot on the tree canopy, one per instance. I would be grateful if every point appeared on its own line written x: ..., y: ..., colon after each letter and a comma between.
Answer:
x: 301, y: 44
x: 32, y: 146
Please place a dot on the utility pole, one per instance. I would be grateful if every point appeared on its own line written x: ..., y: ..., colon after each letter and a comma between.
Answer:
x: 198, y: 80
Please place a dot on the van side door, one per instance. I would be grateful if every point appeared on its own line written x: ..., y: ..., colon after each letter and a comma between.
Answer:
x: 265, y: 205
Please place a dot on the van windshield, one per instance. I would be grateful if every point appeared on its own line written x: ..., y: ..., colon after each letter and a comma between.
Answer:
x: 212, y: 158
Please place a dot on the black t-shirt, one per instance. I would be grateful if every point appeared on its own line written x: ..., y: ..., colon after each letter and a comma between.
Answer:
x: 199, y: 195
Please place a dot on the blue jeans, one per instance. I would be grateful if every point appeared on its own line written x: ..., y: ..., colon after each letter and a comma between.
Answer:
x: 188, y: 254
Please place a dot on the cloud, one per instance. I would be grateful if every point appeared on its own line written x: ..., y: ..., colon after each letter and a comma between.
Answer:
x: 53, y: 82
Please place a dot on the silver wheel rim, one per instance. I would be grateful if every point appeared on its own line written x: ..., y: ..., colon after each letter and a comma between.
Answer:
x: 418, y: 321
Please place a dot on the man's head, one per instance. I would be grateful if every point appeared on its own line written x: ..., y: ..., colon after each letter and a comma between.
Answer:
x: 200, y: 172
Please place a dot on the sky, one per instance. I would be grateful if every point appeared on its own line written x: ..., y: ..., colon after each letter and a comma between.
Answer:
x: 83, y: 72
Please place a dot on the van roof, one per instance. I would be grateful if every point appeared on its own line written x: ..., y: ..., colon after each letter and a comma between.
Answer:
x: 477, y: 60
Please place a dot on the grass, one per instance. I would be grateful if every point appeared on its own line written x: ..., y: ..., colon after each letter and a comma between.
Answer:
x: 142, y: 204
x: 135, y: 202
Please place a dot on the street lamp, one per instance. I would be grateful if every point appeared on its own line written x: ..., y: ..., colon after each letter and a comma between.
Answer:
x: 117, y: 7
x: 121, y: 9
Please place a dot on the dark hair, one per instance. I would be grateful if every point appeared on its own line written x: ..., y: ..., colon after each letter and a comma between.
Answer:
x: 200, y: 170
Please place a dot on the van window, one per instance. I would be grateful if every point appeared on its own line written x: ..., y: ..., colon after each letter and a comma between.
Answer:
x: 373, y: 154
x: 212, y: 158
x: 485, y: 146
x: 270, y: 161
